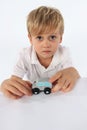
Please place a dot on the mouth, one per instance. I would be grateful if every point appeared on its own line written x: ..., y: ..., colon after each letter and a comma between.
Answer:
x: 46, y: 51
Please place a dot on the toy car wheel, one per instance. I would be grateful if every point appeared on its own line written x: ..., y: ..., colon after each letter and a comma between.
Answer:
x: 35, y: 91
x: 47, y: 90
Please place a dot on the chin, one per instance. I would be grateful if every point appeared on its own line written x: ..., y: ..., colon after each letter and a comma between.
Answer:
x: 47, y: 57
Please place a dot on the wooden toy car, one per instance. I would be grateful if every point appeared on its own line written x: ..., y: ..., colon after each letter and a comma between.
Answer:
x: 41, y: 85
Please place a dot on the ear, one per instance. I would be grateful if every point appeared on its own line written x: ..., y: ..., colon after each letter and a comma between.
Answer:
x: 30, y: 38
x: 60, y: 40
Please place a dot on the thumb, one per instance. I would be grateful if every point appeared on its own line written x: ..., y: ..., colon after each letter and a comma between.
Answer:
x: 56, y: 88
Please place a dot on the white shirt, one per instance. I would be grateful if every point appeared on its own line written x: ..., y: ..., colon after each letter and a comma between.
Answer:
x: 28, y: 64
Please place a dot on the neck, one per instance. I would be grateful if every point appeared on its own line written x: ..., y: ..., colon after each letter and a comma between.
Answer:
x: 45, y: 62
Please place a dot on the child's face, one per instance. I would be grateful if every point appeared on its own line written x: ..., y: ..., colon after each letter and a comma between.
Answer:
x: 46, y: 44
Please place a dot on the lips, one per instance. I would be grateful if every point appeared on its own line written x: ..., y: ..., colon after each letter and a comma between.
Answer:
x: 47, y: 51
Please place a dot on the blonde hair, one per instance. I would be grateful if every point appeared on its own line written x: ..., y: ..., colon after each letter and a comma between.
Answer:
x: 44, y: 19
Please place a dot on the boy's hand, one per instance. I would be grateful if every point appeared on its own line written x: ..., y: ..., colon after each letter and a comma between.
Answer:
x: 64, y: 80
x: 15, y: 87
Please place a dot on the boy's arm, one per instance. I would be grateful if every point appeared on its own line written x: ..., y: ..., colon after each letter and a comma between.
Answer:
x: 15, y: 87
x: 65, y: 79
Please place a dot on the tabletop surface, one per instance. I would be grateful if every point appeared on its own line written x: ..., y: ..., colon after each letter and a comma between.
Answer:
x: 58, y: 111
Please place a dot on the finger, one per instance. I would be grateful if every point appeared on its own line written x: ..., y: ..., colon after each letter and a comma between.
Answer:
x: 66, y: 85
x: 10, y: 95
x: 55, y: 88
x: 28, y: 84
x: 61, y: 82
x: 55, y: 77
x: 14, y: 90
x: 69, y: 88
x: 59, y: 85
x: 22, y: 82
x: 20, y: 87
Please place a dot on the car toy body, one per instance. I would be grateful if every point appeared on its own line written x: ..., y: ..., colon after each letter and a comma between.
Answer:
x: 41, y: 85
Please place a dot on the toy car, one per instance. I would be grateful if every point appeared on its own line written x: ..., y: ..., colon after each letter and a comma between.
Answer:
x: 41, y: 85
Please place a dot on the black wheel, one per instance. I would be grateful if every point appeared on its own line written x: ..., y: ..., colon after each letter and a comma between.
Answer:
x: 35, y: 91
x: 47, y: 90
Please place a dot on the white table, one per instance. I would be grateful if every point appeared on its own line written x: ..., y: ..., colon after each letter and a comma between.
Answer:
x: 59, y: 111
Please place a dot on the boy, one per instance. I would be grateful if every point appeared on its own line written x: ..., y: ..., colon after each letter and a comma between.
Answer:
x: 44, y: 58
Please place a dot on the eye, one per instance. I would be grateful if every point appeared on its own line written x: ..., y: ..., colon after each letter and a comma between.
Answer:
x: 39, y: 38
x: 52, y: 37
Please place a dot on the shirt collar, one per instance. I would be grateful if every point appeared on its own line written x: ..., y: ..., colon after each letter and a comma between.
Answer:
x: 34, y: 59
x: 56, y: 59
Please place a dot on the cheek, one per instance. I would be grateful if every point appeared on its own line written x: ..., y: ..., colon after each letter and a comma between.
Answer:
x: 54, y: 45
x: 37, y: 47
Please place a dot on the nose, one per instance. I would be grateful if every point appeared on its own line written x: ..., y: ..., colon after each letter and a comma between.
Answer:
x: 46, y: 43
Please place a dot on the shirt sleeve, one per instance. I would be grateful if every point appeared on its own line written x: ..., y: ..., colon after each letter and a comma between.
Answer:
x: 20, y: 67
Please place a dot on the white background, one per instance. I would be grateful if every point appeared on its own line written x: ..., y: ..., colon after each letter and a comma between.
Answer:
x: 13, y: 32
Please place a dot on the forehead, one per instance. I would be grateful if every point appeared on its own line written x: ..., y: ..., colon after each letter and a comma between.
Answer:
x: 47, y: 31
x: 43, y: 29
